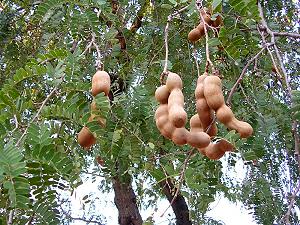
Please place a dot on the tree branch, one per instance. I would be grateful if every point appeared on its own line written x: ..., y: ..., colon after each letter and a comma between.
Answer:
x: 79, y: 219
x: 170, y: 18
x: 233, y: 89
x: 181, y: 179
x: 289, y: 90
x: 286, y: 217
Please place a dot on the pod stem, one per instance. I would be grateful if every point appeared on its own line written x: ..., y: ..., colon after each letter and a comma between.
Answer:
x: 99, y: 64
x: 209, y: 63
x: 170, y: 18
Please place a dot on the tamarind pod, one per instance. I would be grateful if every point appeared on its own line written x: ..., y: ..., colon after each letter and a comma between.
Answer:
x: 100, y: 120
x: 161, y: 110
x: 224, y: 145
x: 206, y: 16
x: 161, y: 121
x: 225, y: 115
x: 201, y: 29
x: 162, y: 94
x: 243, y: 128
x: 180, y: 136
x: 163, y: 124
x: 213, y: 92
x: 176, y: 97
x: 194, y: 35
x: 206, y: 116
x: 195, y: 123
x: 101, y: 83
x: 213, y: 131
x: 168, y: 130
x: 177, y: 114
x: 173, y: 81
x: 213, y: 152
x: 198, y: 139
x: 199, y: 92
x: 202, y: 151
x: 85, y: 138
x: 217, y: 22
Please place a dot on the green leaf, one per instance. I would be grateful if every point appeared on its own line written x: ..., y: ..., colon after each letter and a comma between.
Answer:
x: 216, y: 3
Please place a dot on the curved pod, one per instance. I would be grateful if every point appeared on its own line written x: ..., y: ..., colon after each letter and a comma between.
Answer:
x: 162, y: 94
x: 173, y: 81
x: 85, y: 138
x: 213, y: 92
x: 198, y: 139
x: 101, y: 83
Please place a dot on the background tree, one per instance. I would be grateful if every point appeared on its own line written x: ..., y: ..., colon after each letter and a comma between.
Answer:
x: 49, y: 50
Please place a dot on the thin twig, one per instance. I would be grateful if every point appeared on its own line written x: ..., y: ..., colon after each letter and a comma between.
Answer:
x: 286, y: 34
x: 36, y: 115
x: 170, y: 18
x: 181, y: 179
x: 196, y: 62
x: 198, y: 4
x: 233, y: 89
x: 99, y: 65
x: 269, y: 51
x: 87, y: 221
x: 16, y: 124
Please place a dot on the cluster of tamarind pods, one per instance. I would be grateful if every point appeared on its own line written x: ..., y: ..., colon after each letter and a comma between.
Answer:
x: 171, y: 117
x: 198, y: 32
x: 100, y: 83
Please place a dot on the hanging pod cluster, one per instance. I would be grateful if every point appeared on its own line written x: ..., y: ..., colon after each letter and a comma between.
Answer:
x: 198, y: 32
x: 171, y: 117
x: 100, y: 83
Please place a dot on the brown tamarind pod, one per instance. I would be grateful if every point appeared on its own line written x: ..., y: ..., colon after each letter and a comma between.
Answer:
x: 204, y: 111
x: 85, y: 138
x: 161, y: 111
x: 225, y: 146
x: 162, y: 94
x: 217, y: 22
x: 206, y: 116
x: 217, y: 150
x: 173, y: 81
x: 198, y: 139
x: 206, y: 16
x: 195, y: 34
x: 177, y: 114
x: 180, y: 136
x: 213, y: 92
x: 195, y: 123
x: 100, y: 83
x: 225, y: 115
x: 163, y: 123
x: 213, y: 152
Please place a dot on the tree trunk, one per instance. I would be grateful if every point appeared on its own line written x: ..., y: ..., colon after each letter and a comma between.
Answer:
x: 125, y: 201
x: 179, y: 205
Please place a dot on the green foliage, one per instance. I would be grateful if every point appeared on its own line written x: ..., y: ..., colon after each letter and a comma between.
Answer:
x: 47, y: 46
x: 296, y: 104
x: 12, y: 171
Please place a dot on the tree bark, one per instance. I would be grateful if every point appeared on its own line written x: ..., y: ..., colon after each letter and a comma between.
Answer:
x: 125, y: 201
x: 179, y: 205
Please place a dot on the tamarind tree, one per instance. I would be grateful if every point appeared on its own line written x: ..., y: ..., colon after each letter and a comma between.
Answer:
x: 49, y: 51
